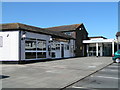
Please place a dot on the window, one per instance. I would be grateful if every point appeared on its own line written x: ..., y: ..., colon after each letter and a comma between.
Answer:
x: 53, y: 54
x: 35, y: 48
x: 30, y: 44
x: 41, y: 45
x: 49, y: 48
x: 67, y: 47
x: 53, y: 45
x: 68, y: 33
x: 57, y: 46
x: 30, y: 55
x: 41, y: 55
x: 1, y: 41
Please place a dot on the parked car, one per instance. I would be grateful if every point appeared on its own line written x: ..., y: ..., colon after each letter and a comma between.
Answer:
x: 116, y: 57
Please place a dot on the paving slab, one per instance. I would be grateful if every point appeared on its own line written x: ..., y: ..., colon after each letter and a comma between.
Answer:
x: 51, y: 74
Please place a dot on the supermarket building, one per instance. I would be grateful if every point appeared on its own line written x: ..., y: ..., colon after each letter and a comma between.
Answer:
x: 21, y: 42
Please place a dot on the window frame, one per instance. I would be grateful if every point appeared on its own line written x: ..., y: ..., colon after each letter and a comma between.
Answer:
x: 36, y: 50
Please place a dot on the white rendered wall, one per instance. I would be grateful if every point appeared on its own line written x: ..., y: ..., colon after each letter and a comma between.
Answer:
x: 10, y: 49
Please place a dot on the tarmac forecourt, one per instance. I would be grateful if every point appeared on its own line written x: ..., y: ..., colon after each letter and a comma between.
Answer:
x: 51, y: 74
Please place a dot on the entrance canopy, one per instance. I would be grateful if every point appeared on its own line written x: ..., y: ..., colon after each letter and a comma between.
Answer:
x: 99, y: 40
x: 100, y: 47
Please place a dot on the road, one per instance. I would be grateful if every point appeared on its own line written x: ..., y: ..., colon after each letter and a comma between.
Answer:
x: 105, y: 78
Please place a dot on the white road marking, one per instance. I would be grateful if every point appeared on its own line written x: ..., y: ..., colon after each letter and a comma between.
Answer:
x: 91, y: 66
x: 107, y: 77
x: 114, y: 70
x: 110, y: 70
x: 53, y: 71
x: 112, y: 66
x: 82, y: 87
x: 77, y: 87
x: 49, y: 71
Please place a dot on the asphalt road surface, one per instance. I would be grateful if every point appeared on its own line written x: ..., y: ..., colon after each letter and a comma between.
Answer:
x: 107, y: 79
x: 51, y: 74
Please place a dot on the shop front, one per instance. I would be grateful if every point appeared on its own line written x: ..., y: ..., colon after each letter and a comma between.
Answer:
x: 26, y: 43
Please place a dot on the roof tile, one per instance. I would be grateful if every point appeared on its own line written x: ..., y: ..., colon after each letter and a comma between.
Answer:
x: 19, y: 26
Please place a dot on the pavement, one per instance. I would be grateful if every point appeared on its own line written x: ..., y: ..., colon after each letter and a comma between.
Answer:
x: 51, y: 74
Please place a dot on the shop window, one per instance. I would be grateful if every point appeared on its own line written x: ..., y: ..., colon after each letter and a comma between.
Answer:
x: 67, y: 47
x: 41, y: 45
x: 53, y: 54
x: 30, y: 44
x: 57, y: 46
x: 94, y: 48
x: 30, y: 55
x: 53, y: 45
x: 49, y: 53
x: 41, y: 55
x: 90, y: 48
x: 1, y: 41
x: 49, y: 48
x: 35, y: 48
x: 98, y: 48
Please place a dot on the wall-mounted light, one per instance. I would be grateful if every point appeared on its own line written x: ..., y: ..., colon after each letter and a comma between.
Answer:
x: 23, y: 35
x: 80, y: 28
x: 118, y: 38
x: 7, y: 35
x: 51, y: 39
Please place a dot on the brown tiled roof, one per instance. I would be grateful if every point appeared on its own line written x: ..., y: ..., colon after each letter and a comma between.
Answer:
x: 97, y: 37
x: 64, y: 27
x: 118, y: 34
x: 19, y: 26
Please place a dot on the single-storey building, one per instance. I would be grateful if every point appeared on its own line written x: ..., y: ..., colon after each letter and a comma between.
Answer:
x: 21, y: 42
x: 100, y: 46
x: 77, y: 31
